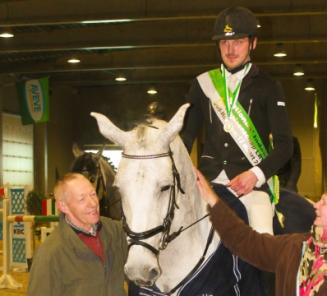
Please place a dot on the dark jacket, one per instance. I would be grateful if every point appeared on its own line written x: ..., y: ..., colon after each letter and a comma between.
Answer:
x: 219, y: 149
x: 280, y: 254
x: 65, y: 266
x: 290, y: 173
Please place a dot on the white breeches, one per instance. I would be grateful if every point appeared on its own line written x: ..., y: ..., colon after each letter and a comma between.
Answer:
x: 260, y: 211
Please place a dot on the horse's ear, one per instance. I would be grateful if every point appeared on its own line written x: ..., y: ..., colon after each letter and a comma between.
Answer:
x: 170, y: 131
x: 109, y: 130
x: 77, y: 151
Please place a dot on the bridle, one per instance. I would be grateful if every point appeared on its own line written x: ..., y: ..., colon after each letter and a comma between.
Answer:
x: 97, y: 179
x: 136, y: 238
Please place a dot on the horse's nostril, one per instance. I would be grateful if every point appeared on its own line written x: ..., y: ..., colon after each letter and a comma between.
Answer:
x: 153, y: 273
x: 141, y: 283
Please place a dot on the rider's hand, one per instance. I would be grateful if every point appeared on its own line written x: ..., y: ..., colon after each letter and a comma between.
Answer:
x: 243, y: 183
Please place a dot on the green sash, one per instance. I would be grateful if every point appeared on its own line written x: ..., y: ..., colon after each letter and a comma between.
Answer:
x: 242, y: 129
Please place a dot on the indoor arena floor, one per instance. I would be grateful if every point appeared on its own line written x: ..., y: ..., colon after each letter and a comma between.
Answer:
x: 20, y: 277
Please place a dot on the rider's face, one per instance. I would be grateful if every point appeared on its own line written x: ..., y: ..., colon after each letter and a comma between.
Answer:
x: 236, y: 52
x: 321, y: 212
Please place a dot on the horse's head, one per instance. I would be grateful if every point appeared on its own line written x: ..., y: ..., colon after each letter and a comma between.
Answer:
x: 87, y: 164
x: 93, y: 166
x: 149, y: 185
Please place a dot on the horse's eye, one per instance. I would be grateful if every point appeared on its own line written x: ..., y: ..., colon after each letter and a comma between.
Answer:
x: 164, y: 188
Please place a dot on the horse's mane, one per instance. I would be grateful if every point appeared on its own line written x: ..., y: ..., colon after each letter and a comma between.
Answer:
x: 88, y: 160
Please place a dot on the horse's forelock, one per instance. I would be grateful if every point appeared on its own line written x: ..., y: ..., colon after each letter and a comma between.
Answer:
x: 85, y: 162
x: 141, y: 136
x: 145, y: 133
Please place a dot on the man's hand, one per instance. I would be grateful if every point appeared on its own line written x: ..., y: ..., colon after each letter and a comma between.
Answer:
x: 243, y: 183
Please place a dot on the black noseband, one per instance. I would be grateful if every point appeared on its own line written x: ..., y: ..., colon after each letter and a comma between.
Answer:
x: 136, y: 238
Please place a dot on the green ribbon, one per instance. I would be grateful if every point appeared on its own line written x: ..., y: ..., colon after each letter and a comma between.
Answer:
x: 240, y: 115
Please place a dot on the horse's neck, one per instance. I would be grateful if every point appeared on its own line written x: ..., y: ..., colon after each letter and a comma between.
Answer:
x: 191, y: 209
x: 194, y: 203
x: 106, y: 172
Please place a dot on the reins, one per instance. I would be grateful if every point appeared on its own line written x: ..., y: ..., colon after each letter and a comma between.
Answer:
x: 198, y: 264
x: 136, y: 238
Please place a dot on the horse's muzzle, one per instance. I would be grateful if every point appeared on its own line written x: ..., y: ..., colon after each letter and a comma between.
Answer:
x: 143, y: 276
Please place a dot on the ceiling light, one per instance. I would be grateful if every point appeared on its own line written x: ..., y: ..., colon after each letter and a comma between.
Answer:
x: 258, y: 24
x: 6, y: 34
x: 120, y: 78
x: 151, y: 91
x: 280, y: 51
x: 298, y: 71
x: 107, y: 21
x: 74, y: 61
x: 309, y: 86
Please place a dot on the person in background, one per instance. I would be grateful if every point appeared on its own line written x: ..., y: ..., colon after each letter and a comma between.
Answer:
x: 85, y: 254
x: 299, y: 260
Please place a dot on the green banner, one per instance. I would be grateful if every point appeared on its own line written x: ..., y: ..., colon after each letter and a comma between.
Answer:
x: 34, y: 100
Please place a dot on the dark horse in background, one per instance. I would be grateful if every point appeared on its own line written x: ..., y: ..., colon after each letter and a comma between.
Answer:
x: 297, y: 212
x: 101, y: 174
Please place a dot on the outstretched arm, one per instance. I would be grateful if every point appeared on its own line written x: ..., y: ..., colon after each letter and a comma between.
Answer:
x: 260, y: 250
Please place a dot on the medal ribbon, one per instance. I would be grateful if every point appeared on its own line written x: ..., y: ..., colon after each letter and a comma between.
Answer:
x: 230, y: 97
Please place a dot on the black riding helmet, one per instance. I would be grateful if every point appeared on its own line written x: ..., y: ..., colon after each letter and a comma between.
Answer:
x: 234, y: 23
